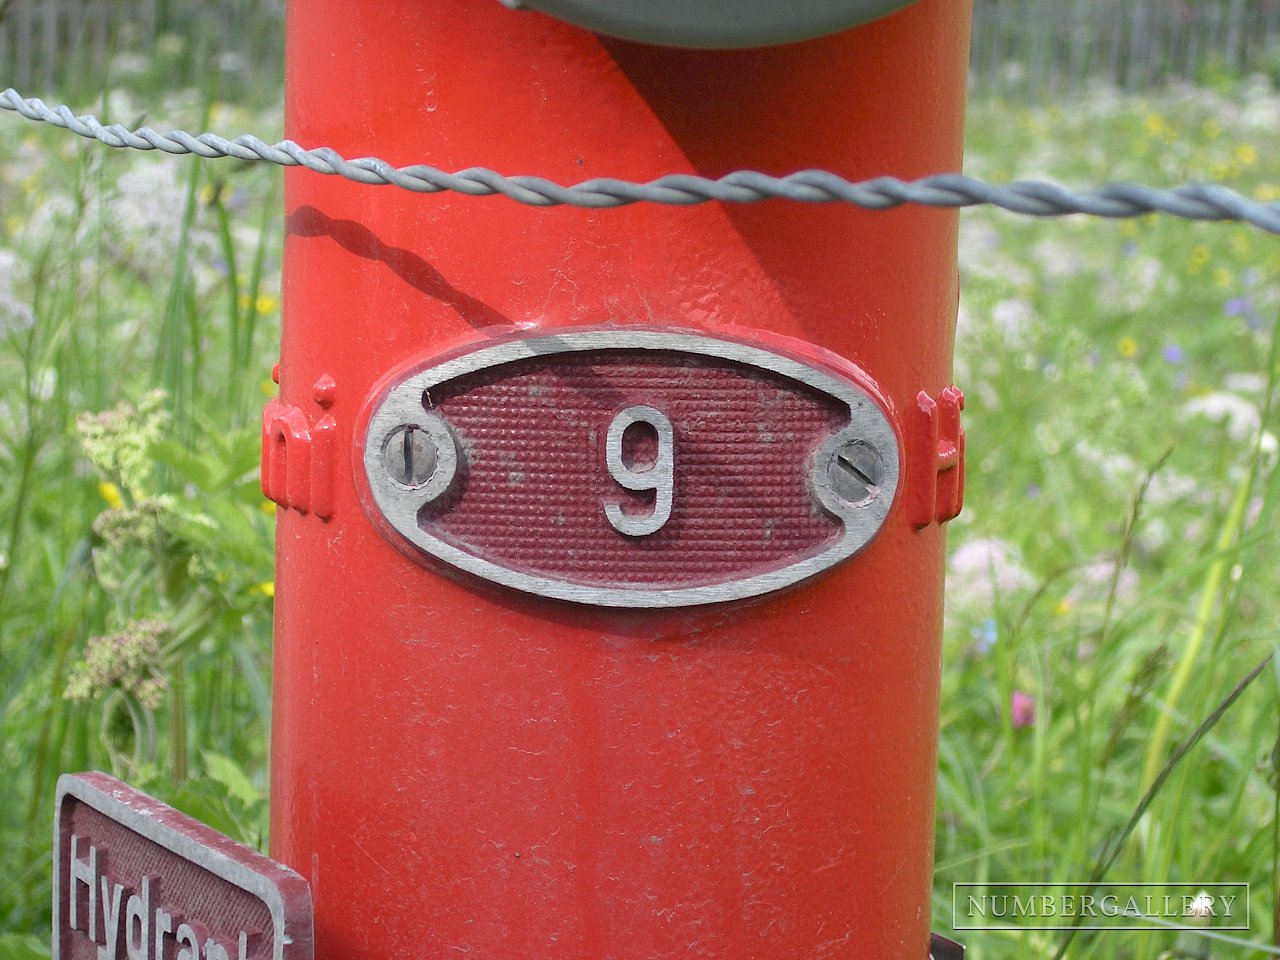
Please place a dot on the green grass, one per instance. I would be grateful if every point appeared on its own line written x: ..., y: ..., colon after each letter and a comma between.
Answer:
x: 124, y: 276
x: 1113, y: 569
x: 1115, y: 565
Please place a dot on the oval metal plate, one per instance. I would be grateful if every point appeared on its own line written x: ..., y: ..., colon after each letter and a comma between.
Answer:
x: 631, y: 468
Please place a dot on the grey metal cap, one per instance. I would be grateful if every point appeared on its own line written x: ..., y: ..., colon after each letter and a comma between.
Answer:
x: 715, y: 24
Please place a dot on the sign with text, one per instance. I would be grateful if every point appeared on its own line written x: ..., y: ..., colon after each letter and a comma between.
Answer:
x: 134, y: 879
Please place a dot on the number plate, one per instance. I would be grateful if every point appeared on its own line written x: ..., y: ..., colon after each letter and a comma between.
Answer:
x: 634, y: 468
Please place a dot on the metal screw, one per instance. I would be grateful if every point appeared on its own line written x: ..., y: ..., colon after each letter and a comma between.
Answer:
x: 855, y: 472
x: 410, y: 455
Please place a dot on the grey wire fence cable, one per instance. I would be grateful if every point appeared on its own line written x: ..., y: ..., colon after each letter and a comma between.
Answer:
x: 1197, y: 201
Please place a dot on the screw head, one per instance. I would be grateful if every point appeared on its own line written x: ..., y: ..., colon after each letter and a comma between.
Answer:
x: 410, y: 455
x: 855, y: 472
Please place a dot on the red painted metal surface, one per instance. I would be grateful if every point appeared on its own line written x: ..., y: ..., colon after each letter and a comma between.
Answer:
x: 463, y: 769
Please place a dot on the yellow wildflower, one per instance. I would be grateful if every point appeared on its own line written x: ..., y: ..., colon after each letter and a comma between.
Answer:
x: 267, y: 588
x: 262, y: 303
x: 1155, y: 124
x: 1199, y: 257
x: 1062, y: 608
x: 1246, y: 155
x: 110, y: 493
x: 216, y: 192
x: 1224, y: 278
x: 1128, y: 347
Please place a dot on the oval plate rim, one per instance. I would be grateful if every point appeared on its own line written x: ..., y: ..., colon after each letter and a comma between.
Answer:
x: 397, y: 399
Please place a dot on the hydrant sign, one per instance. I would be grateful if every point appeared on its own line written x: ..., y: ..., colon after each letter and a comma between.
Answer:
x: 134, y: 879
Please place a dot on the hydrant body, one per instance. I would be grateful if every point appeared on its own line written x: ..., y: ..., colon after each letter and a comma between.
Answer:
x: 466, y: 767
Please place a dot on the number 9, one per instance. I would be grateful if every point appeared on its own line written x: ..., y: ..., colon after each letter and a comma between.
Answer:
x: 660, y: 478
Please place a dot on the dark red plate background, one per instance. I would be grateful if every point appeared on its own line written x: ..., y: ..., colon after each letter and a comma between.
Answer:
x: 532, y: 493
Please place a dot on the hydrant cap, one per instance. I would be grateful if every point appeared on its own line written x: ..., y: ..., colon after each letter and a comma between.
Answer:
x: 715, y: 24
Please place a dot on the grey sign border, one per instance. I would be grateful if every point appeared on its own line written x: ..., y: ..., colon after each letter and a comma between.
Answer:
x: 402, y: 404
x: 1172, y: 928
x: 249, y: 870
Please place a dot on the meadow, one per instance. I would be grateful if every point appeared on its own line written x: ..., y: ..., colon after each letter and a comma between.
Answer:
x: 1112, y: 580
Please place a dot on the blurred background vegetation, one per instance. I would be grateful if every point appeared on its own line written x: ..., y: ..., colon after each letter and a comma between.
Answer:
x: 1031, y: 47
x: 1112, y: 580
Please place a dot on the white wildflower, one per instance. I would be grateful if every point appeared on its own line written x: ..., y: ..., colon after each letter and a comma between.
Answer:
x: 1168, y: 487
x: 1012, y: 318
x: 1058, y: 261
x: 1245, y: 383
x: 1145, y: 277
x: 1261, y: 105
x: 146, y: 213
x: 1093, y: 583
x: 124, y: 107
x: 1121, y: 471
x: 128, y: 64
x: 983, y: 570
x: 15, y: 312
x: 1238, y: 415
x: 1268, y: 448
x: 978, y: 243
x: 1115, y: 468
x: 49, y: 217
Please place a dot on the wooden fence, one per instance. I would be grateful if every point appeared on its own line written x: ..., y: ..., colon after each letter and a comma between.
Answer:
x: 1053, y: 48
x: 1020, y: 47
x: 54, y: 47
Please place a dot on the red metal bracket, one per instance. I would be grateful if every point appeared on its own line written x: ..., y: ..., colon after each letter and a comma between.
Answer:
x: 935, y: 490
x: 298, y: 456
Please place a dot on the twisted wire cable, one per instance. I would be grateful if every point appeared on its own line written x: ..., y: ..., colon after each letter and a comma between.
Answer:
x: 1196, y: 201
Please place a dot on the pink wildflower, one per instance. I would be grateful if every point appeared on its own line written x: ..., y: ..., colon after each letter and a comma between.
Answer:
x: 1022, y: 710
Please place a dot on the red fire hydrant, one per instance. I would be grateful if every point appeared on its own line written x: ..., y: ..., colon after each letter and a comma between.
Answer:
x: 610, y: 548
